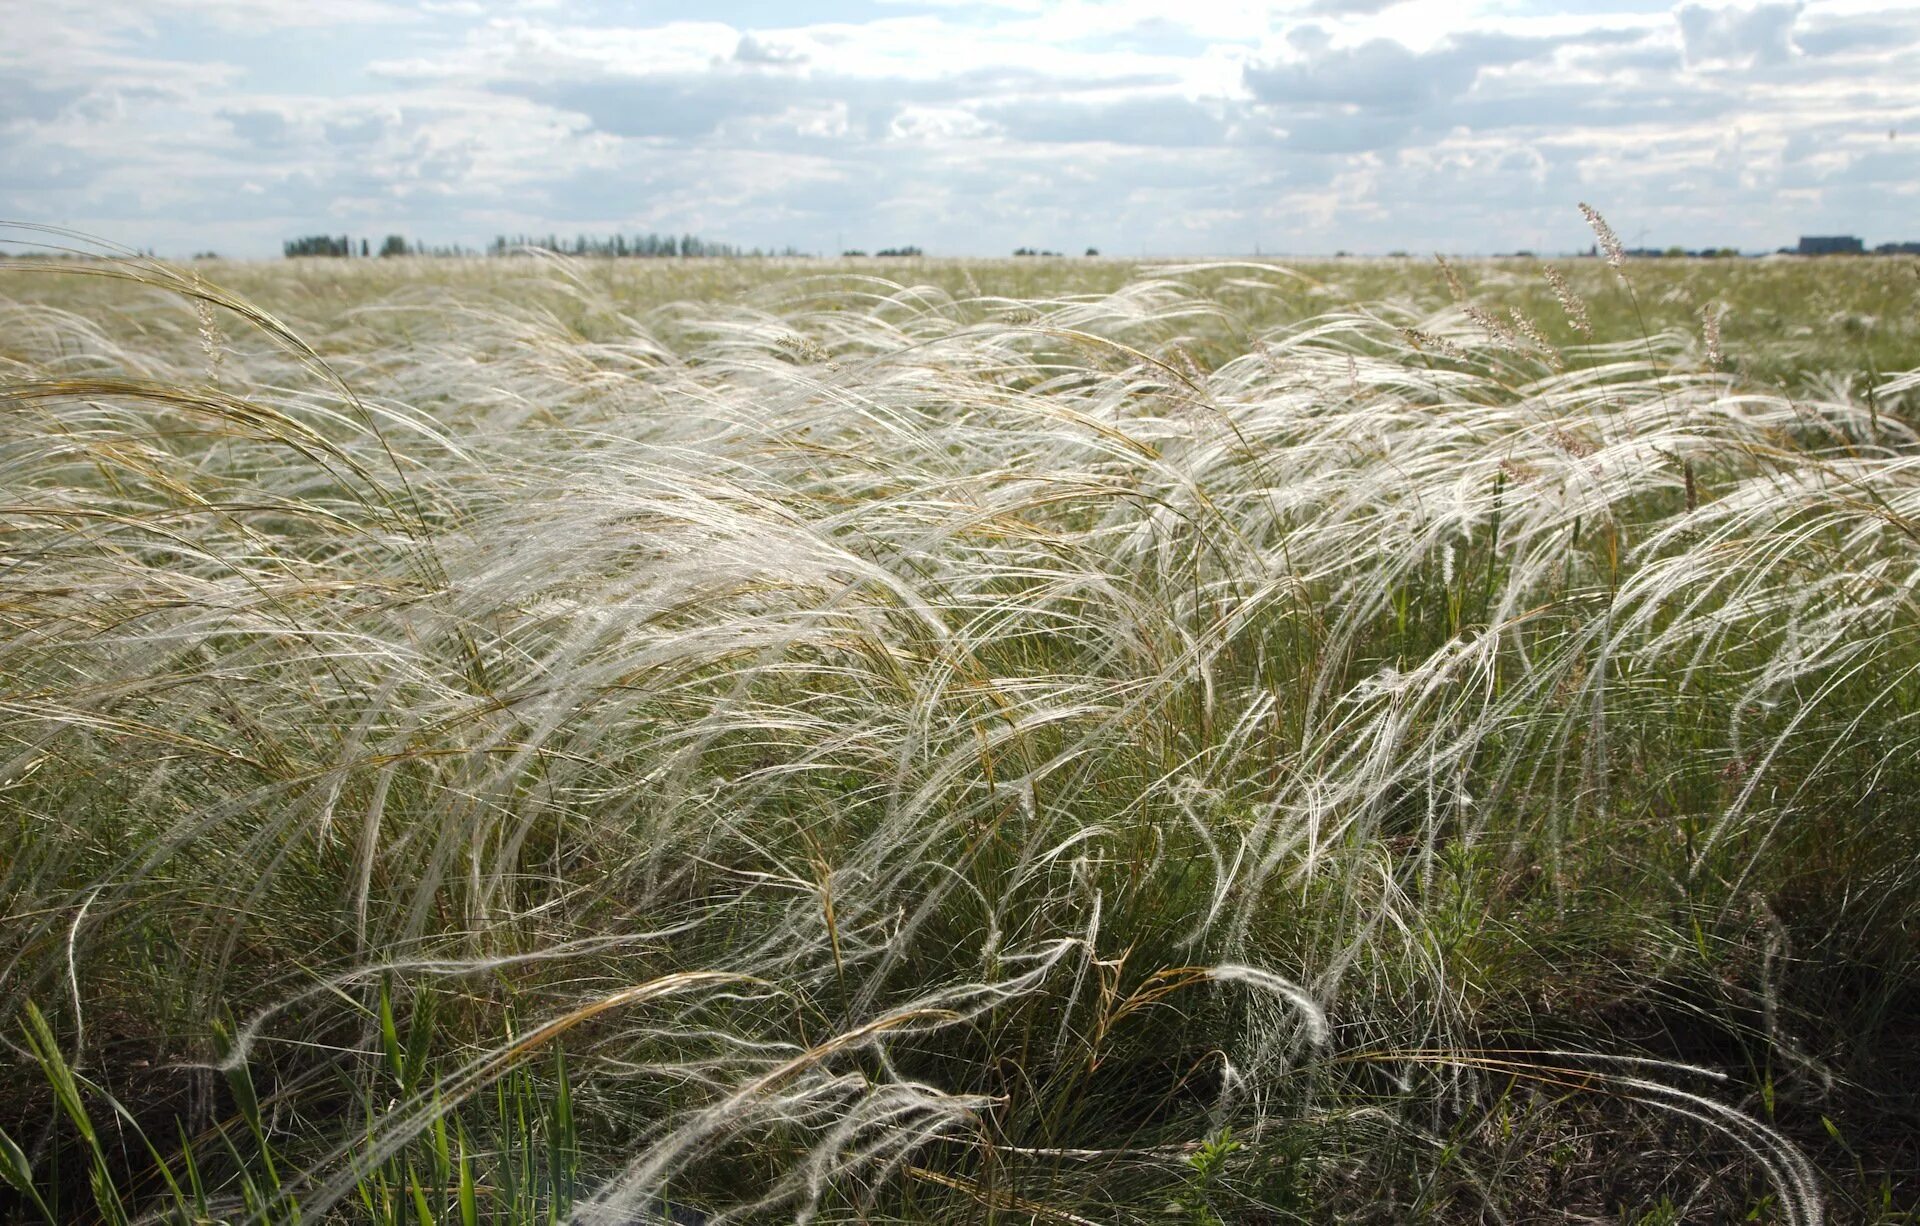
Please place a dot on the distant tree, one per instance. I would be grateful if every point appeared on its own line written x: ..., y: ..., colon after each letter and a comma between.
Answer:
x: 898, y: 251
x: 395, y: 244
x: 318, y: 244
x: 619, y: 246
x: 1093, y: 252
x: 363, y: 249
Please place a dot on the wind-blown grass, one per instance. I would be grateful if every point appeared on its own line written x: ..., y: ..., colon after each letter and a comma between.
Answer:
x: 933, y: 755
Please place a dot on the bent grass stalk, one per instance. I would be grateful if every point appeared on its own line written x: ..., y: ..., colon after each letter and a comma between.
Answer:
x: 945, y: 765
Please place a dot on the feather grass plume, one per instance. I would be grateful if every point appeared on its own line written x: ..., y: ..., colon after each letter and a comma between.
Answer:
x: 867, y: 751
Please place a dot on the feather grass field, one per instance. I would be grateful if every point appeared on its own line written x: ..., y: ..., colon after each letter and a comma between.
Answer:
x: 526, y: 740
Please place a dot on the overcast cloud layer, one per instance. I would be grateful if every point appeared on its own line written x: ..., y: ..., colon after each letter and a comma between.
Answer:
x: 965, y: 126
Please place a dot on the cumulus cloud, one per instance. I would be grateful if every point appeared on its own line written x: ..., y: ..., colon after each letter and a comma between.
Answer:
x: 1385, y: 75
x: 261, y: 127
x: 1131, y: 125
x: 1377, y: 75
x: 1737, y: 36
x: 21, y: 99
x: 754, y: 51
x: 1338, y: 8
x: 1162, y: 121
x: 1380, y: 94
x: 1871, y: 36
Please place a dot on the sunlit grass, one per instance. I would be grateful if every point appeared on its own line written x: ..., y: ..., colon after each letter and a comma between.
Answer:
x: 917, y: 740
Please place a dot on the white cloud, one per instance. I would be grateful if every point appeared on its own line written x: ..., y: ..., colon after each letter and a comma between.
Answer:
x: 1737, y: 35
x: 1131, y: 124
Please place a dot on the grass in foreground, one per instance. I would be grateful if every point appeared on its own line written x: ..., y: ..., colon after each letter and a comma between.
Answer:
x: 527, y: 741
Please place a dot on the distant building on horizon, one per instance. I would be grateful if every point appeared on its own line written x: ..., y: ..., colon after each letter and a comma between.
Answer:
x: 1897, y: 249
x: 1830, y: 244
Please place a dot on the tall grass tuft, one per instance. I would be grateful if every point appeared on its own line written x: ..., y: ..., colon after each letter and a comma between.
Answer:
x: 530, y: 741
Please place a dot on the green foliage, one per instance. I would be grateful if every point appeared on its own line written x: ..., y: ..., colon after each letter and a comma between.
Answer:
x: 1664, y: 1213
x: 318, y: 244
x: 527, y: 1175
x: 1206, y: 1169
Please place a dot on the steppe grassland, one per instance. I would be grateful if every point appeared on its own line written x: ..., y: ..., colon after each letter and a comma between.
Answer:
x: 923, y: 740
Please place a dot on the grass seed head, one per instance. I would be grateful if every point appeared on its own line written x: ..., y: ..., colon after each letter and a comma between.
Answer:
x: 1574, y: 307
x: 953, y: 711
x: 1609, y: 241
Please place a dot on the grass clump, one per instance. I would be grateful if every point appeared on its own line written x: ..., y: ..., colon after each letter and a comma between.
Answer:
x: 540, y: 741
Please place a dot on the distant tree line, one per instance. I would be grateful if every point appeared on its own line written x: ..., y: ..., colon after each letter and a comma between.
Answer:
x: 319, y: 244
x: 340, y: 247
x: 1681, y: 253
x: 620, y: 246
x: 642, y: 246
x: 398, y: 244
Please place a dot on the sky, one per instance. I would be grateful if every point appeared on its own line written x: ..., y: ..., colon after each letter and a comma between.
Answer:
x: 966, y: 127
